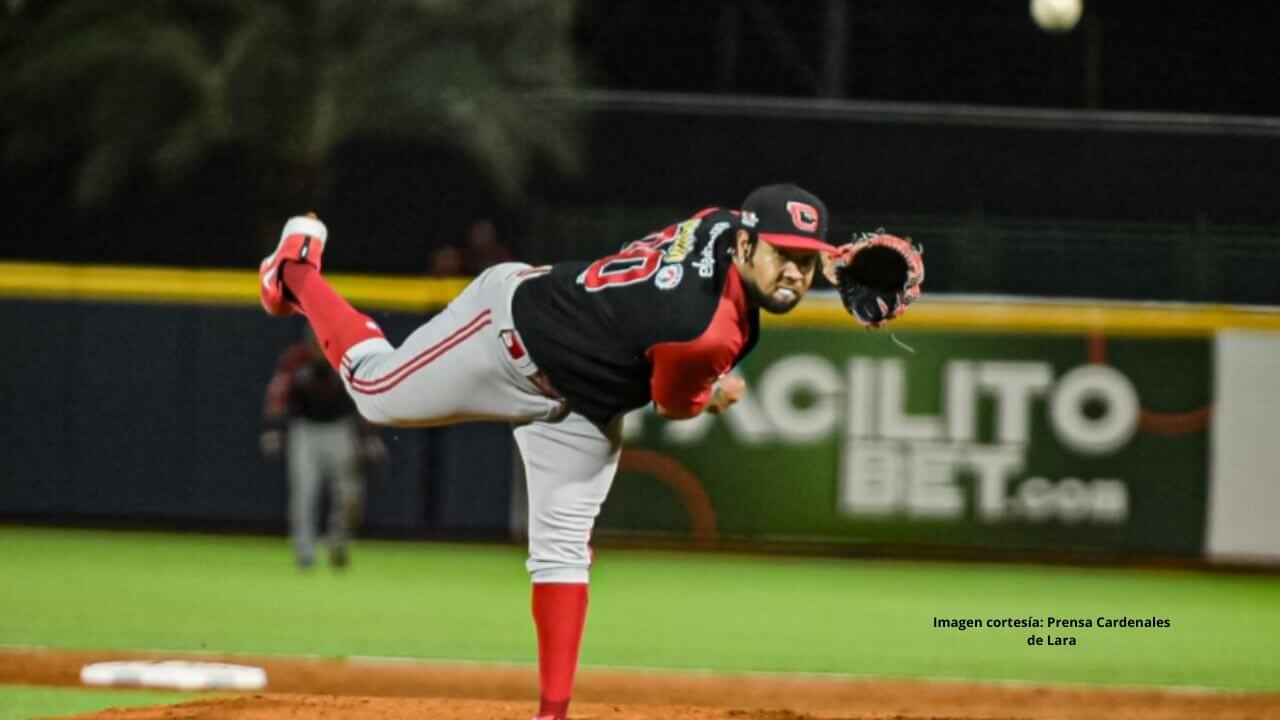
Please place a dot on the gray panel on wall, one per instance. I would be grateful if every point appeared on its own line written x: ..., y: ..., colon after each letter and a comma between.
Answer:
x: 230, y: 357
x: 34, y: 385
x: 125, y: 411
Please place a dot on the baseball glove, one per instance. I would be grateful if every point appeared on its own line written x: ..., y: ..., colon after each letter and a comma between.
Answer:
x: 878, y: 276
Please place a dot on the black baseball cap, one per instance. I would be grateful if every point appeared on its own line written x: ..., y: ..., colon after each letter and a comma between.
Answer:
x: 786, y: 215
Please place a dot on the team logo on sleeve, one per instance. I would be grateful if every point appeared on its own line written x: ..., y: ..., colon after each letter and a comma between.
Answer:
x: 706, y: 263
x: 683, y: 242
x: 669, y: 277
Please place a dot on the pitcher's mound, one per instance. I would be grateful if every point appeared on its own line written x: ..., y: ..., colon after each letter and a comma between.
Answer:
x: 326, y: 707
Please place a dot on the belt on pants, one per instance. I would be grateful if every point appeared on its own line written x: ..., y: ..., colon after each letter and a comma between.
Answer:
x: 543, y: 383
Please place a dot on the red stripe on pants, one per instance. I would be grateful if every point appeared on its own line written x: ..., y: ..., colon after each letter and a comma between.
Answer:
x: 415, y: 363
x: 423, y: 362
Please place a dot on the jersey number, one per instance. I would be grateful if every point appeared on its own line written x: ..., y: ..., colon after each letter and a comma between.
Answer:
x: 625, y: 268
x: 636, y: 263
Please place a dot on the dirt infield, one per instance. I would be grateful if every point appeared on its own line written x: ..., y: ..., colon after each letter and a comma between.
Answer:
x: 307, y: 689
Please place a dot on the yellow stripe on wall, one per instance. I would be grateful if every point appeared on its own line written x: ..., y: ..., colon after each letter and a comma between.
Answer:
x: 54, y: 281
x: 209, y: 287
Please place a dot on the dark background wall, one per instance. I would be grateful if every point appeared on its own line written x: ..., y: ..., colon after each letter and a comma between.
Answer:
x: 151, y: 414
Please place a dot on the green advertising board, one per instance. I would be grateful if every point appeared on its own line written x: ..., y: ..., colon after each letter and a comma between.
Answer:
x: 970, y: 439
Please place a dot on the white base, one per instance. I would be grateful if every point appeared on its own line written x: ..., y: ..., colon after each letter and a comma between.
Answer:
x: 177, y: 674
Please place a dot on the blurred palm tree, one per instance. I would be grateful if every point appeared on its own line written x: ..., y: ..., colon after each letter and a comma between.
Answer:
x: 155, y: 85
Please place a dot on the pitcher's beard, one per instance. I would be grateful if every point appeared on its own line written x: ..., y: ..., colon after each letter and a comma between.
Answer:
x: 769, y: 303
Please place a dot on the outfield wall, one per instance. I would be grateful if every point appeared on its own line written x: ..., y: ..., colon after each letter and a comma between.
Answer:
x: 987, y: 424
x: 134, y: 396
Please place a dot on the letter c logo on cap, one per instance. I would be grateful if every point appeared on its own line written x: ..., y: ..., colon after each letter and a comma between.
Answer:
x: 803, y: 215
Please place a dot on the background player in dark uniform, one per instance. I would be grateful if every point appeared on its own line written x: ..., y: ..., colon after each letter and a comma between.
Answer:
x: 310, y: 419
x: 564, y: 351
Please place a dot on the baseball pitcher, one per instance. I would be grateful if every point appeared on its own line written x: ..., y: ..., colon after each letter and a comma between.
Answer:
x: 563, y: 351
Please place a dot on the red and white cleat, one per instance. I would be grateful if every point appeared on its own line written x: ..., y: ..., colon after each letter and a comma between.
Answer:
x: 301, y: 241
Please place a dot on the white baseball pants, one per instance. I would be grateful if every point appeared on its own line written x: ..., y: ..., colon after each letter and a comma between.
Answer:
x: 457, y: 368
x: 320, y: 451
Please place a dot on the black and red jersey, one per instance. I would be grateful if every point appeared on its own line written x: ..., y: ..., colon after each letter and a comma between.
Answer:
x: 660, y: 320
x: 305, y: 386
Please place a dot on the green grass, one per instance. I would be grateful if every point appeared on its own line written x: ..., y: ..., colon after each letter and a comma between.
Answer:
x: 19, y: 702
x: 80, y: 589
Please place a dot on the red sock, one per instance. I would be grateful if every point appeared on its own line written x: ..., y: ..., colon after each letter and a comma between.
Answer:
x: 338, y: 326
x: 559, y: 611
